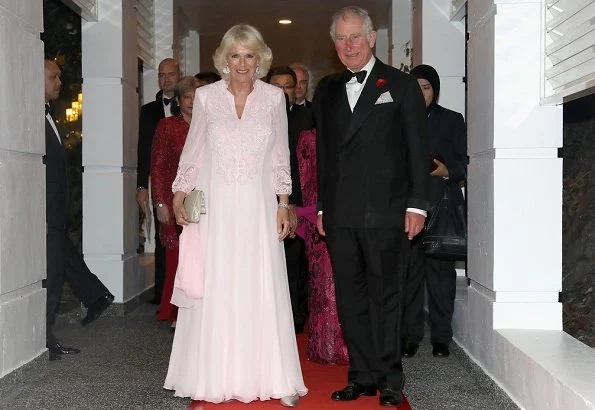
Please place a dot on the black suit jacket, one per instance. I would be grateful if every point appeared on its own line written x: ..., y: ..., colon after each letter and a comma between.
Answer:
x: 150, y: 114
x: 56, y: 180
x: 448, y: 139
x: 372, y: 163
x: 299, y: 119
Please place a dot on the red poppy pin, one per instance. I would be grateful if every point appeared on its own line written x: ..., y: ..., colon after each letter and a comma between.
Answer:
x: 381, y: 82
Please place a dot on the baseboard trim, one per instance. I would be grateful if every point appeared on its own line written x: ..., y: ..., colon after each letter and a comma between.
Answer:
x: 13, y: 381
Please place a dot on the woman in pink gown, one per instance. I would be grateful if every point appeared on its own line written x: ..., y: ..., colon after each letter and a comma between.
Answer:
x: 325, y: 338
x: 235, y: 338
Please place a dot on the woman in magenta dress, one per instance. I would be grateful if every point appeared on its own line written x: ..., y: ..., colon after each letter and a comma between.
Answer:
x: 168, y: 143
x: 325, y: 338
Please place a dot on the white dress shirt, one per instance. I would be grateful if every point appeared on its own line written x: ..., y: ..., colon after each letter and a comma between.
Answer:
x: 166, y: 108
x: 53, y: 124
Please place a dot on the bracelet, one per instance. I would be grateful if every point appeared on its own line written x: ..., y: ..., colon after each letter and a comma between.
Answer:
x: 138, y: 188
x: 283, y: 205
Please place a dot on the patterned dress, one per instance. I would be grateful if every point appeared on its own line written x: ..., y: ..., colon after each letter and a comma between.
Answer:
x: 325, y: 338
x: 234, y: 337
x: 168, y: 143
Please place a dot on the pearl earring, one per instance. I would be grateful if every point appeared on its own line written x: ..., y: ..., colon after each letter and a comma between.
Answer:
x: 257, y: 69
x: 226, y: 70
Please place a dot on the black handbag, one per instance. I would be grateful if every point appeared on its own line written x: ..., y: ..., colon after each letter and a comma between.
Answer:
x: 445, y: 234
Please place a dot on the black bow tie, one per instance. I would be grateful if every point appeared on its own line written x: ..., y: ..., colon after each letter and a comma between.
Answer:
x: 166, y: 101
x: 360, y: 76
x: 47, y: 109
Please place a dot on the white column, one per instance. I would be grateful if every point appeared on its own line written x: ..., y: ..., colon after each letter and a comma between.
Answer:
x: 515, y: 177
x: 443, y: 47
x: 511, y: 321
x: 22, y: 178
x: 192, y: 46
x: 164, y: 39
x: 110, y: 130
x: 400, y: 34
x: 381, y: 49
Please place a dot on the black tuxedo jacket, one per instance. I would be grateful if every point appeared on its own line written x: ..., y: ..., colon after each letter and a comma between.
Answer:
x: 150, y: 114
x: 448, y: 139
x: 299, y: 119
x: 56, y: 180
x: 372, y: 163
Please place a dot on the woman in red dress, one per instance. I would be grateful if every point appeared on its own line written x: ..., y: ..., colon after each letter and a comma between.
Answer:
x: 168, y: 143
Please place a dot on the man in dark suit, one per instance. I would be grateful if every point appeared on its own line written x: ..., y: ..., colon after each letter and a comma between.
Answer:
x: 299, y: 118
x: 63, y: 260
x: 150, y: 114
x: 372, y: 181
x: 301, y: 87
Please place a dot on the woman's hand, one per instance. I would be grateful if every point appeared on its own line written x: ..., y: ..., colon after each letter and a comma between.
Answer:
x: 293, y: 221
x: 283, y: 225
x: 440, y: 171
x: 163, y: 214
x: 179, y: 210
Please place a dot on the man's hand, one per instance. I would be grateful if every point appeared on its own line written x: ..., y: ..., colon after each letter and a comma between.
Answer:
x: 319, y: 225
x: 142, y: 197
x: 414, y: 223
x: 441, y: 170
x: 163, y: 214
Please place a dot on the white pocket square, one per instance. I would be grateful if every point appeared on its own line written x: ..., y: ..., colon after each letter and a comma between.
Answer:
x: 384, y: 98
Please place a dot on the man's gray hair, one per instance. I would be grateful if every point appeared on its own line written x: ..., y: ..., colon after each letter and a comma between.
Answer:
x: 353, y: 11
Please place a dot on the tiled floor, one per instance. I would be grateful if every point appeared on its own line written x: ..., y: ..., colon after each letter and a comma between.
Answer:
x: 124, y: 361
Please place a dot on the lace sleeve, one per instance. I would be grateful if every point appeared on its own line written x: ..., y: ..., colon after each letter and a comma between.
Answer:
x: 191, y: 158
x: 281, y: 169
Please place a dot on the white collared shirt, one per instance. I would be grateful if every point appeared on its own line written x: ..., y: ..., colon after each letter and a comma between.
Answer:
x: 166, y: 108
x: 53, y: 124
x: 353, y: 88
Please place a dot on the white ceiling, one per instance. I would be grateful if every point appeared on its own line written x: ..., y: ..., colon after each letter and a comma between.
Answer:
x: 306, y: 40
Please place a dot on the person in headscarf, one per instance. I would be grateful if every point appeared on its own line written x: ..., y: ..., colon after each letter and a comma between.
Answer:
x: 448, y: 147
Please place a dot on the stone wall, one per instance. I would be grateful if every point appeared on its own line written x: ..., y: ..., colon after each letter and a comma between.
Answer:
x: 578, y: 240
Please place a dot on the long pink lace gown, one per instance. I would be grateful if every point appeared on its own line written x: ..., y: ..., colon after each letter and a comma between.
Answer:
x: 325, y: 337
x: 234, y: 337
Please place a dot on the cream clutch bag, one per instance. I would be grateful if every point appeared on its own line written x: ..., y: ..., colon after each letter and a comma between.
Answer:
x: 195, y: 205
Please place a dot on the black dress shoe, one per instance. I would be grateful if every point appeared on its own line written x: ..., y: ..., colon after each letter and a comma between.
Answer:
x: 440, y: 350
x: 352, y: 391
x: 155, y: 301
x: 97, y: 308
x: 409, y: 349
x: 57, y: 349
x: 390, y: 397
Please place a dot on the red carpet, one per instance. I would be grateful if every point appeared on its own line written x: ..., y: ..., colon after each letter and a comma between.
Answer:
x: 321, y: 381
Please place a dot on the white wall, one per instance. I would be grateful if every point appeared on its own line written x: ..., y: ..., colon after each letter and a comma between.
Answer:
x: 443, y: 47
x: 22, y: 178
x: 110, y: 127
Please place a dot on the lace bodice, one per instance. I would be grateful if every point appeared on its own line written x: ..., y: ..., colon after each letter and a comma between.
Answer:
x: 240, y: 149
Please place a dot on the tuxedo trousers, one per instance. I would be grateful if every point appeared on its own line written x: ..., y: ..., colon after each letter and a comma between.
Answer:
x: 440, y: 279
x: 297, y: 275
x: 369, y: 267
x: 65, y: 263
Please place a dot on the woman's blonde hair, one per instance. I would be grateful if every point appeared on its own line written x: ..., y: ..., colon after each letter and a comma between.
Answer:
x: 246, y: 36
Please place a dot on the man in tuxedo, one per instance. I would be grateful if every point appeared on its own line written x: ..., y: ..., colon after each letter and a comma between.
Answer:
x: 299, y: 118
x: 372, y: 181
x: 150, y: 114
x: 63, y: 260
x: 301, y: 88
